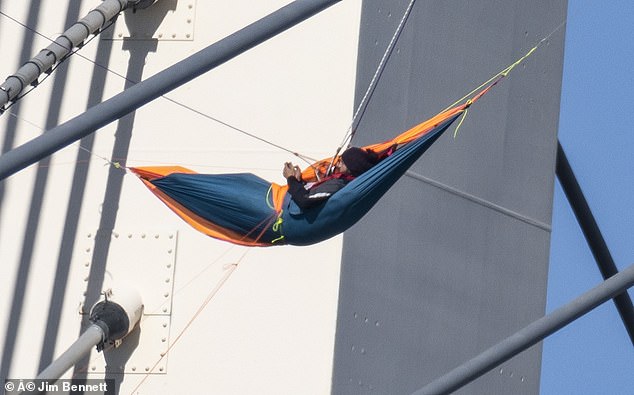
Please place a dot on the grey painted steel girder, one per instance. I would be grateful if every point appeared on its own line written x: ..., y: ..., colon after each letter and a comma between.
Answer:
x: 159, y: 84
x: 530, y: 335
x: 593, y: 235
x: 62, y: 46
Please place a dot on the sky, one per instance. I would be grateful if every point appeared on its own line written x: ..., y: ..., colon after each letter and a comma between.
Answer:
x: 594, y: 354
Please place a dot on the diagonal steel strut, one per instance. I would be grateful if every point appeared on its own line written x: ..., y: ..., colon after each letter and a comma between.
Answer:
x: 159, y: 84
x: 530, y: 335
x: 593, y: 236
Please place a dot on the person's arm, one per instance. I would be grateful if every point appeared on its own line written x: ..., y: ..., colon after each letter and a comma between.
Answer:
x: 307, y: 198
x: 299, y: 194
x: 316, y: 195
x: 296, y: 189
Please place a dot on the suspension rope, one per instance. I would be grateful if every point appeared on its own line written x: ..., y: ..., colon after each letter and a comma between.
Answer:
x: 59, y: 63
x: 504, y: 72
x: 491, y: 82
x: 305, y: 158
x: 377, y: 73
x: 350, y: 132
x: 229, y: 269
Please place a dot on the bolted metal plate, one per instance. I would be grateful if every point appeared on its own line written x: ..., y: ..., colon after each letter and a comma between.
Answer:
x: 144, y: 351
x: 145, y: 262
x: 165, y: 20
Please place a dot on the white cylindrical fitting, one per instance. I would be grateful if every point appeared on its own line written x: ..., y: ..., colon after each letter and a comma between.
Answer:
x: 118, y: 313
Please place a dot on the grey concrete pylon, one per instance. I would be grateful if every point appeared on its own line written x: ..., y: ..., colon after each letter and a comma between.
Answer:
x: 159, y: 84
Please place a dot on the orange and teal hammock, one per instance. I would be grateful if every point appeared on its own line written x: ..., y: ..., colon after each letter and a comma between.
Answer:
x: 248, y: 210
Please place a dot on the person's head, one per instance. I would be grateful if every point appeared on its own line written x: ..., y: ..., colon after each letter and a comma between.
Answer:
x: 357, y: 161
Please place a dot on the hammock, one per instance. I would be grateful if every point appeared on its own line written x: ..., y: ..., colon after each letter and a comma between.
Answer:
x: 247, y: 210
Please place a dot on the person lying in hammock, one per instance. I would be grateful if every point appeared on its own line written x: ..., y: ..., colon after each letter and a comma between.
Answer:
x: 353, y: 162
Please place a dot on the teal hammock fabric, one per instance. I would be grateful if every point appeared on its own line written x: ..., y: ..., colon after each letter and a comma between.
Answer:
x: 240, y: 208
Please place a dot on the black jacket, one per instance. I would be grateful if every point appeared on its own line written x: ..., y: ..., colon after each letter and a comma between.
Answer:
x: 315, y: 195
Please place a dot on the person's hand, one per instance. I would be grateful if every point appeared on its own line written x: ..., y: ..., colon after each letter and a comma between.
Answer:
x: 291, y: 171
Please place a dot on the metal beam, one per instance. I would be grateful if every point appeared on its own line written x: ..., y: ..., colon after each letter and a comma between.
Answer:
x: 60, y: 48
x: 159, y: 84
x: 93, y: 336
x: 593, y: 235
x: 530, y: 335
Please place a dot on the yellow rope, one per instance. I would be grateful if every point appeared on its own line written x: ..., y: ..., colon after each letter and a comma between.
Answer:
x: 277, y: 227
x: 505, y: 72
x: 464, y: 115
x: 502, y: 73
x: 268, y: 196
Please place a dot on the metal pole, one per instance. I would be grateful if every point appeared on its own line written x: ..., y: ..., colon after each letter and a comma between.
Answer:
x: 530, y: 335
x: 93, y: 336
x: 60, y: 48
x: 159, y: 84
x: 111, y: 320
x: 593, y: 236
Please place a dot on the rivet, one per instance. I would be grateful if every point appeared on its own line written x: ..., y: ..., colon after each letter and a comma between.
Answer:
x: 115, y: 234
x: 173, y: 35
x: 163, y: 340
x: 129, y: 235
x: 188, y: 35
x: 93, y: 368
x: 161, y: 368
x: 147, y: 369
x: 143, y: 235
x: 160, y: 35
x: 167, y: 294
x: 167, y: 280
x: 156, y: 236
x: 164, y: 309
x: 134, y: 368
